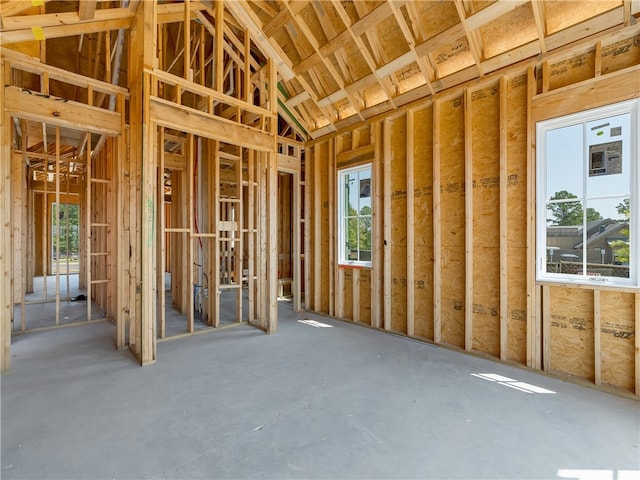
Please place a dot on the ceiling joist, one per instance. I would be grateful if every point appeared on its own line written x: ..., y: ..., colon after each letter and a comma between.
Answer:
x: 338, y: 62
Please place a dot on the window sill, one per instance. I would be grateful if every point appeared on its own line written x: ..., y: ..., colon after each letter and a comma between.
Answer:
x: 356, y: 265
x: 588, y: 284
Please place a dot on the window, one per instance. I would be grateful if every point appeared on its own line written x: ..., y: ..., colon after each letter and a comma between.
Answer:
x: 587, y: 196
x: 354, y: 216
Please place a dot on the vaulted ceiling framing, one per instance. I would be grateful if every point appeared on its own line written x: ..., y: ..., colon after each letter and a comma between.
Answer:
x: 345, y: 61
x: 339, y: 61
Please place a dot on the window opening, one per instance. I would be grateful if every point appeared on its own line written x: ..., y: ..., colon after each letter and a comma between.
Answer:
x: 587, y: 186
x: 354, y: 216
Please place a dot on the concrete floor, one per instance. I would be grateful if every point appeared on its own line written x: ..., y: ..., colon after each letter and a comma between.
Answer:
x: 40, y: 309
x: 341, y: 402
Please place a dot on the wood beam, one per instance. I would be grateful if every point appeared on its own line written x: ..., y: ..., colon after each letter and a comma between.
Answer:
x: 22, y: 62
x: 219, y: 46
x: 193, y: 121
x: 623, y: 85
x: 597, y: 338
x: 504, y: 226
x: 538, y: 14
x: 437, y: 231
x: 378, y: 237
x: 87, y: 9
x: 317, y: 229
x: 533, y: 292
x: 410, y: 257
x: 6, y: 252
x: 468, y: 222
x: 16, y: 7
x: 279, y: 20
x: 109, y: 20
x: 243, y: 13
x: 143, y: 144
x: 471, y: 36
x: 425, y: 69
x: 175, y: 12
x: 60, y: 112
x: 387, y: 235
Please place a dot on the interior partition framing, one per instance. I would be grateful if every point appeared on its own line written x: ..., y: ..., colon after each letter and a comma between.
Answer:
x: 232, y: 163
x: 609, y: 316
x: 55, y: 143
x: 290, y: 161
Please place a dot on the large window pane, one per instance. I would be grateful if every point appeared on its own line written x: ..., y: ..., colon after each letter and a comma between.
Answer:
x: 565, y: 160
x: 564, y: 237
x: 365, y: 239
x: 351, y: 186
x: 607, y: 239
x: 609, y: 156
x: 564, y: 213
x: 352, y: 238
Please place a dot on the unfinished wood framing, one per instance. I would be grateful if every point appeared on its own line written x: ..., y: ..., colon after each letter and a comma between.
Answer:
x: 485, y: 297
x: 377, y: 312
x: 410, y: 169
x: 215, y: 164
x: 6, y: 254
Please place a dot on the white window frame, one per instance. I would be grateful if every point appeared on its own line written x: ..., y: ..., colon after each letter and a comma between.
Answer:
x: 342, y: 254
x: 627, y: 107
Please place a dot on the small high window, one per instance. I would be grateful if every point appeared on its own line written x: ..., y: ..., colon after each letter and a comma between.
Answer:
x: 354, y: 216
x: 587, y: 196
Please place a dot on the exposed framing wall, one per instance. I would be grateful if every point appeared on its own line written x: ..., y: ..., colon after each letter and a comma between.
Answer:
x: 31, y: 206
x: 454, y: 225
x: 228, y: 103
x: 453, y: 229
x: 590, y: 332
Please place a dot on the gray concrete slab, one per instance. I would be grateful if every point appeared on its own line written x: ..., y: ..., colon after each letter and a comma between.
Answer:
x: 340, y: 402
x: 40, y: 306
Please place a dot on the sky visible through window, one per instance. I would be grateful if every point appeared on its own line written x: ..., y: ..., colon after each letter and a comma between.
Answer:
x: 567, y: 162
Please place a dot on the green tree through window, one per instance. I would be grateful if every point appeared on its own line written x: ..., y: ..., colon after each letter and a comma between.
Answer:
x: 621, y: 247
x: 65, y: 221
x: 570, y: 213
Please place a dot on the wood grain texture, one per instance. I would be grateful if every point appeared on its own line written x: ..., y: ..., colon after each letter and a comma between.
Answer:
x: 617, y: 332
x: 571, y: 338
x: 485, y: 192
x: 423, y: 216
x: 452, y: 221
x: 516, y: 181
x: 398, y: 241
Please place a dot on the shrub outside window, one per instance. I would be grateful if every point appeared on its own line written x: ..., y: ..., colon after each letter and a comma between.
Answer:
x: 354, y: 216
x: 587, y: 196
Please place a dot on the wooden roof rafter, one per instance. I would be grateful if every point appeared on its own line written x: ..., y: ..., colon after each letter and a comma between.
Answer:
x: 242, y: 12
x: 475, y: 43
x: 65, y: 24
x: 353, y: 59
x: 300, y: 24
x: 13, y: 8
x: 330, y: 32
x: 86, y: 9
x: 425, y: 68
x: 367, y: 22
x: 538, y: 15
